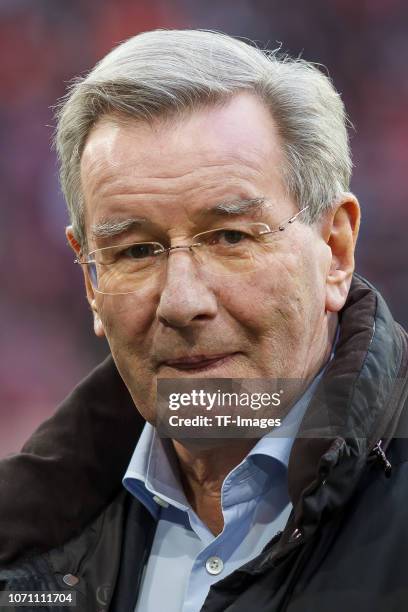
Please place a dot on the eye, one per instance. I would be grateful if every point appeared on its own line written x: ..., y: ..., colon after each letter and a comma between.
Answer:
x: 234, y: 236
x: 229, y: 237
x: 140, y: 251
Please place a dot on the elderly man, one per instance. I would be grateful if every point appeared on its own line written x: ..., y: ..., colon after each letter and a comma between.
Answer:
x: 208, y: 189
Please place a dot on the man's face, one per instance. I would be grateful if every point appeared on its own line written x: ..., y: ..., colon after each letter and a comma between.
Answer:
x: 268, y: 323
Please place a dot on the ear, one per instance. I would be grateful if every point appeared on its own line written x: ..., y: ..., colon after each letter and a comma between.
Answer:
x: 90, y: 294
x: 341, y: 231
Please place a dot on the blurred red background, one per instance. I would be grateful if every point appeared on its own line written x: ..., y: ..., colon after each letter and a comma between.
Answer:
x: 47, y: 343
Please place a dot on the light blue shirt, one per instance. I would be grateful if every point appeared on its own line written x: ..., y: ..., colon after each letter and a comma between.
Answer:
x: 186, y: 558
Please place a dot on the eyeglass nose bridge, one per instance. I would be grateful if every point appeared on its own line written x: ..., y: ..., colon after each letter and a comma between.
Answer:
x: 181, y: 246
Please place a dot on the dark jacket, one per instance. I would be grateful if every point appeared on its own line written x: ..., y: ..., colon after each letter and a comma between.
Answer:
x: 65, y: 518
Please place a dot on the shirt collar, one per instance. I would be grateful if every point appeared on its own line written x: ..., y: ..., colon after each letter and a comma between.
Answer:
x: 277, y: 444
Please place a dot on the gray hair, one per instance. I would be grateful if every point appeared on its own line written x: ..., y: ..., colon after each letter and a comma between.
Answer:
x: 167, y: 72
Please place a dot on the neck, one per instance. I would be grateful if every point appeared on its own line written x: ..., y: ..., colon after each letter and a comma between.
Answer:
x: 204, y: 464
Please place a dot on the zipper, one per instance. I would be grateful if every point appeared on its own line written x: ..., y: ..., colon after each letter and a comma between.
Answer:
x: 378, y: 453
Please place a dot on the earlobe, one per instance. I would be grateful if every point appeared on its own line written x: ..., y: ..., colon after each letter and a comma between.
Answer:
x: 337, y: 288
x: 98, y: 325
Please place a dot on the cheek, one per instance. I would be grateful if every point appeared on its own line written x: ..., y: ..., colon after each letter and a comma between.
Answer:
x: 127, y: 324
x: 264, y: 300
x: 126, y: 320
x: 279, y: 299
x: 252, y: 301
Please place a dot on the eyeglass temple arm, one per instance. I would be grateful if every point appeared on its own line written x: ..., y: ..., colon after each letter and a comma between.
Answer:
x: 83, y: 263
x: 283, y: 225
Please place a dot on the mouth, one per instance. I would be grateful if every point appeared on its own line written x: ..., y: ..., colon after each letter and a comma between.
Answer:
x: 198, y: 363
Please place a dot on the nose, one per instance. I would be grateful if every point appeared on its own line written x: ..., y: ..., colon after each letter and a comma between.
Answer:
x: 185, y: 298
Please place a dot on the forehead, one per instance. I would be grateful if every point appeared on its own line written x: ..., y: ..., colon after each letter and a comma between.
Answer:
x: 212, y: 153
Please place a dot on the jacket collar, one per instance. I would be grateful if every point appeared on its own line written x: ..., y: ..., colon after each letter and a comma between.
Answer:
x: 357, y: 404
x: 73, y: 464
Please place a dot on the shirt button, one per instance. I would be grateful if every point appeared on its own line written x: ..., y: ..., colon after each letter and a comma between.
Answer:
x: 70, y: 579
x: 160, y: 501
x: 214, y: 566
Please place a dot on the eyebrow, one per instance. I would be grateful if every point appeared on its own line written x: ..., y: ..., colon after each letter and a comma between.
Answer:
x: 108, y: 228
x: 238, y: 207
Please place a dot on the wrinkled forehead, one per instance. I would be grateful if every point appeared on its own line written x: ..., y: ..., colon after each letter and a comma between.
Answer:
x: 215, y: 155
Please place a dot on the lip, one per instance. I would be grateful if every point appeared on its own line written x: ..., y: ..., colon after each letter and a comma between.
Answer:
x: 197, y: 362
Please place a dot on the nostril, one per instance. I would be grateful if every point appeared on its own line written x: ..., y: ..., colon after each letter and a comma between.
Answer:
x: 169, y: 321
x: 202, y: 317
x: 165, y: 322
